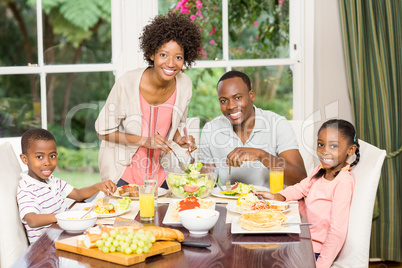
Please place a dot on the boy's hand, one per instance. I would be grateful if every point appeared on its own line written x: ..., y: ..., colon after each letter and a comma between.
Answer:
x: 108, y: 187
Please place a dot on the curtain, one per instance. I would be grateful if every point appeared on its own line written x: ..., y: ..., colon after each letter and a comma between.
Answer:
x: 372, y: 40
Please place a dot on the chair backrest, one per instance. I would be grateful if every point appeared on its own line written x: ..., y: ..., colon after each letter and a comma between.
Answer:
x: 355, y: 251
x: 305, y: 134
x: 13, y: 240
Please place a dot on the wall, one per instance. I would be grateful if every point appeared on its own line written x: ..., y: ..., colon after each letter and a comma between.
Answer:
x: 330, y: 85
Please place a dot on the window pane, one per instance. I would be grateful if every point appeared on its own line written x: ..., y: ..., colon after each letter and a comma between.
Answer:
x: 258, y: 29
x: 18, y: 45
x: 204, y: 102
x: 74, y: 102
x: 77, y: 33
x: 208, y: 15
x: 273, y: 88
x: 19, y: 104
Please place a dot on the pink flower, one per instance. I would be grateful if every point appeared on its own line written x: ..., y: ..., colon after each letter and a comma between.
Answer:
x: 179, y: 4
x: 258, y: 37
x: 214, y: 7
x: 184, y: 10
x: 281, y: 2
x: 212, y: 42
x: 255, y: 23
x: 199, y: 14
x: 198, y: 4
x: 193, y: 17
x: 239, y: 48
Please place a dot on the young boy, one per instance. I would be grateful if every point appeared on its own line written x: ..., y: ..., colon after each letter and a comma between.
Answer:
x: 40, y: 195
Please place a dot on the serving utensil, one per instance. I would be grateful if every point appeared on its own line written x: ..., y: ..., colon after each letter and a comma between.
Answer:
x: 192, y: 160
x: 261, y: 198
x: 297, y: 223
x: 219, y: 186
x: 181, y: 164
x: 228, y: 186
x: 89, y: 211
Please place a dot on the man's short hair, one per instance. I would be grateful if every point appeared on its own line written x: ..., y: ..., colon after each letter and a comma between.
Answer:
x: 33, y: 135
x: 233, y: 74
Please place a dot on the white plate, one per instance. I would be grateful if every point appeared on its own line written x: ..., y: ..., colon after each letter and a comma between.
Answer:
x: 167, y: 219
x: 217, y: 192
x: 82, y: 206
x: 232, y: 207
x: 161, y: 191
x: 294, y: 229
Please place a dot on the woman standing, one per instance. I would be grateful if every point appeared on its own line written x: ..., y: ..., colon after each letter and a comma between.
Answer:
x: 147, y: 106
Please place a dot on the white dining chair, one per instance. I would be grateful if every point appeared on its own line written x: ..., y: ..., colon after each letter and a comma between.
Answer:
x: 13, y: 239
x: 355, y: 251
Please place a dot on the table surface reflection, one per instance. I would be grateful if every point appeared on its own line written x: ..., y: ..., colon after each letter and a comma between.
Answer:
x: 227, y: 250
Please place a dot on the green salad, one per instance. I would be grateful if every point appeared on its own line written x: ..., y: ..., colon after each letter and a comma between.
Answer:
x: 192, y: 183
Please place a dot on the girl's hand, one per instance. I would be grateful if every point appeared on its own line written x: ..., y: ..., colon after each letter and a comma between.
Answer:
x: 270, y: 196
x: 158, y: 142
x: 108, y: 187
x: 187, y: 143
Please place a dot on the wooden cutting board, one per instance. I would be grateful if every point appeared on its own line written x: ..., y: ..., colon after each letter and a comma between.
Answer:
x: 159, y: 247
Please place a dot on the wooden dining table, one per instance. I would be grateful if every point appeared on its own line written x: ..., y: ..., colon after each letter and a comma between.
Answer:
x: 226, y: 250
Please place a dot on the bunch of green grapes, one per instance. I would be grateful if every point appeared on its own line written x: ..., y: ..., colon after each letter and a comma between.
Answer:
x: 128, y: 242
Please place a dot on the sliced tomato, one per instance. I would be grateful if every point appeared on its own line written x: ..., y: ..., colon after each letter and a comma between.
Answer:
x: 112, y: 211
x: 190, y: 188
x: 235, y: 186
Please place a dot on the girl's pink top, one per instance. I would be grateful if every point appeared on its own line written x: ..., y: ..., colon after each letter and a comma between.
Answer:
x: 327, y: 207
x: 154, y: 119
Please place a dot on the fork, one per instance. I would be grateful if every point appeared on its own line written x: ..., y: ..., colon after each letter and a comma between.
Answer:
x: 106, y: 199
x: 192, y: 160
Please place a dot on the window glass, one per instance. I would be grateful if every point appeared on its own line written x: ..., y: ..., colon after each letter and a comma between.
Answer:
x: 18, y: 37
x: 74, y: 102
x: 19, y: 104
x: 258, y: 29
x: 273, y: 88
x: 208, y: 15
x: 204, y: 102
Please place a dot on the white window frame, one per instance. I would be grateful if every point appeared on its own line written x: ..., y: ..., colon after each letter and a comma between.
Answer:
x: 128, y: 19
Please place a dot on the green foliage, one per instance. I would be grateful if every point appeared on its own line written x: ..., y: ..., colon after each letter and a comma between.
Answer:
x: 78, y: 160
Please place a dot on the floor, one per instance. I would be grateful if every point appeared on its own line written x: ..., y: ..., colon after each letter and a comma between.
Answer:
x: 385, y: 264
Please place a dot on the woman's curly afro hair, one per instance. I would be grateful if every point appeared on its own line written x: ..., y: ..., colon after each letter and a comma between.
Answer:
x: 172, y: 27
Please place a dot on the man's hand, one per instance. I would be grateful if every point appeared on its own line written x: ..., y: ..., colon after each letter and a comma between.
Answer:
x: 240, y: 154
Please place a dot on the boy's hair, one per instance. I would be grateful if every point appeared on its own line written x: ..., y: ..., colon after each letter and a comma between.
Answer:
x: 172, y: 27
x: 348, y: 131
x: 34, y: 135
x: 233, y: 74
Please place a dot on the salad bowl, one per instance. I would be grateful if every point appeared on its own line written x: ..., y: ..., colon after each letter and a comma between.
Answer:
x: 199, y: 182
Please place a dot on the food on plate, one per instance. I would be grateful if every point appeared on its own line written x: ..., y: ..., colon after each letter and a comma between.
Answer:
x: 249, y: 202
x: 129, y: 190
x: 193, y: 183
x: 100, y: 208
x: 238, y: 189
x: 263, y: 220
x: 188, y: 203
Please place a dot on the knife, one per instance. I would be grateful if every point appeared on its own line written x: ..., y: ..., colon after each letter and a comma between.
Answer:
x: 297, y: 223
x: 195, y: 244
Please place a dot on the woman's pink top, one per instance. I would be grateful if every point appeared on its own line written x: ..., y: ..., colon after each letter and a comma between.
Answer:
x: 327, y: 207
x: 154, y: 119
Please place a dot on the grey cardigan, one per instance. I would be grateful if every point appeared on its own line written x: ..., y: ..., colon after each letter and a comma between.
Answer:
x: 122, y: 112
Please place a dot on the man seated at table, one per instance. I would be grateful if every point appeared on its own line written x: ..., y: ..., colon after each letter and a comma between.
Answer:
x: 248, y: 138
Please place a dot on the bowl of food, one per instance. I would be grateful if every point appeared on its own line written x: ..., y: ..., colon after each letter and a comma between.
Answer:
x: 198, y: 221
x: 198, y: 181
x: 70, y: 221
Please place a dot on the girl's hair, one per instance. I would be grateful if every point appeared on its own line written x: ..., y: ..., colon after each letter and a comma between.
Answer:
x: 348, y: 131
x: 172, y: 27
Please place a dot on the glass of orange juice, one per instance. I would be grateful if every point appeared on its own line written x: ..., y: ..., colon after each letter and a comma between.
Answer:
x: 276, y: 179
x: 147, y: 202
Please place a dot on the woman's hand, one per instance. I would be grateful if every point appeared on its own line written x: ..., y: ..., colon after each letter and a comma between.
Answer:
x: 158, y: 142
x: 187, y: 143
x: 108, y: 187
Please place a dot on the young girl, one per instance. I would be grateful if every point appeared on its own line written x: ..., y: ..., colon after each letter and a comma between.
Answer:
x: 328, y: 190
x: 148, y: 101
